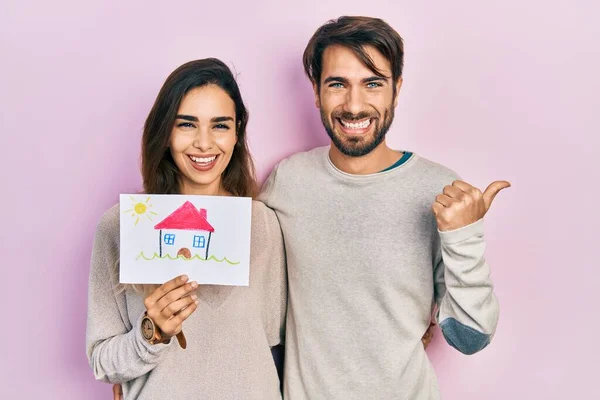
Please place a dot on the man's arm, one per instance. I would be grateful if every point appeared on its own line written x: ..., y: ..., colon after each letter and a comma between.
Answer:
x: 467, y: 307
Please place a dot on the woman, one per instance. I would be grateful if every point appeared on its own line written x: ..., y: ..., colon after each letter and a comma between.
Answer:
x: 194, y: 143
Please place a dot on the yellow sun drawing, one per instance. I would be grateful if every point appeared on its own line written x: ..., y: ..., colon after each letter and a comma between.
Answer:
x: 140, y: 209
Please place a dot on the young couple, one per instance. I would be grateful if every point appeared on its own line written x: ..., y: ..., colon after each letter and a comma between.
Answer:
x: 354, y: 247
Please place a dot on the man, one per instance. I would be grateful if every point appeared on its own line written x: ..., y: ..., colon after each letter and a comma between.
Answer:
x: 375, y: 238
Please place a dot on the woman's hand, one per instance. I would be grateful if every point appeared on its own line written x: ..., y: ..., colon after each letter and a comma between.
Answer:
x: 171, y: 304
x: 428, y: 336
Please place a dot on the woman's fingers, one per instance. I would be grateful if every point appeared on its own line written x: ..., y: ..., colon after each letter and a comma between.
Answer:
x: 173, y: 326
x: 171, y: 304
x: 175, y: 307
x: 176, y: 294
x: 164, y: 289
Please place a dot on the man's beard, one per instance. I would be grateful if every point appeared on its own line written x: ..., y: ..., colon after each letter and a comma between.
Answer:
x: 357, y: 146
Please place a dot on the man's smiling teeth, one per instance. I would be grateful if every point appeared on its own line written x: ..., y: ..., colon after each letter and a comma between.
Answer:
x: 203, y: 160
x: 360, y: 125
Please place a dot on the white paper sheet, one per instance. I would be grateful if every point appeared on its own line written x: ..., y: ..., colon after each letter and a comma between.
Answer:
x: 204, y: 237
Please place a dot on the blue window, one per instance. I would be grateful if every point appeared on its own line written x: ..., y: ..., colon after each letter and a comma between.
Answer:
x: 169, y: 238
x: 199, y: 241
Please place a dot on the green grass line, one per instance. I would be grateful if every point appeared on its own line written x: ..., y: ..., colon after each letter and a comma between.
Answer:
x: 181, y: 257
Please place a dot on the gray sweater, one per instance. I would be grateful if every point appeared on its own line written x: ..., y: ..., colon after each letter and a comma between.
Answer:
x: 366, y: 266
x: 229, y: 336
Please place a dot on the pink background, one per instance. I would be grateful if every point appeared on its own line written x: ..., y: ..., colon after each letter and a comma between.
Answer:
x: 495, y: 91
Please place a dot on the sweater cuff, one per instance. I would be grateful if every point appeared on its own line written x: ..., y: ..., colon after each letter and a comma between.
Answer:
x: 462, y: 234
x: 149, y: 353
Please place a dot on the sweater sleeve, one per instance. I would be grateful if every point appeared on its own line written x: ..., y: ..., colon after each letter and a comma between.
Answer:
x: 267, y: 191
x: 467, y: 307
x: 268, y: 256
x: 116, y: 350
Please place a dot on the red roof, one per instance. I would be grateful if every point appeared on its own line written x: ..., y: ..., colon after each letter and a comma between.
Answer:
x: 188, y: 218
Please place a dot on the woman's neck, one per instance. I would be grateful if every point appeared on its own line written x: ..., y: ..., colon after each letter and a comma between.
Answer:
x: 212, y: 189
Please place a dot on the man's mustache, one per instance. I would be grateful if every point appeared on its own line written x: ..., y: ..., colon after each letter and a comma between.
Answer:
x: 347, y: 116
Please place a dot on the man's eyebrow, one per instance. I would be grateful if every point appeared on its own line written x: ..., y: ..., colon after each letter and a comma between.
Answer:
x: 335, y: 79
x: 375, y: 79
x: 365, y: 80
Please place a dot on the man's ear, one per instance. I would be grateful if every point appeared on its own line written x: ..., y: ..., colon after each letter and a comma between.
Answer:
x: 398, y: 87
x: 317, y: 98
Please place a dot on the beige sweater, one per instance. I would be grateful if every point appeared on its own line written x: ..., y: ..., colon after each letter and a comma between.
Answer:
x: 229, y: 336
x: 366, y: 265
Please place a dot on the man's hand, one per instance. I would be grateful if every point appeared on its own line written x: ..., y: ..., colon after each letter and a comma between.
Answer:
x: 117, y: 392
x: 461, y: 204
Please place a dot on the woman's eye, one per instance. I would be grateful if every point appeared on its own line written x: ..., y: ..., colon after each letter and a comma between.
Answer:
x: 186, y: 125
x: 221, y: 126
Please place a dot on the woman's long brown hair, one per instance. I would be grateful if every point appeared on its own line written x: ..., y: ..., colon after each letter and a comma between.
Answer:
x: 159, y: 172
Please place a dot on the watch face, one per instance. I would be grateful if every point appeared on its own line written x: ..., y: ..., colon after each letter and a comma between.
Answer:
x: 147, y: 328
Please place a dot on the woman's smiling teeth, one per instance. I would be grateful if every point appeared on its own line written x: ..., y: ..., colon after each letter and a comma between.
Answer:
x: 203, y: 160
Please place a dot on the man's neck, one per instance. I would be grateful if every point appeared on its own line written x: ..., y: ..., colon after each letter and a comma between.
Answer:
x: 377, y: 160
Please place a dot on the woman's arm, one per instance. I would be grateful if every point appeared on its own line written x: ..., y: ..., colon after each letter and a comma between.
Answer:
x: 268, y: 255
x: 116, y: 350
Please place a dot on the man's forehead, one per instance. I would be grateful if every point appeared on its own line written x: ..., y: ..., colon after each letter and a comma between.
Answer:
x: 344, y: 62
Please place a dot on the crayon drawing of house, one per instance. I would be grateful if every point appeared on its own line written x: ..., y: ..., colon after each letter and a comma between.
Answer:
x: 184, y: 232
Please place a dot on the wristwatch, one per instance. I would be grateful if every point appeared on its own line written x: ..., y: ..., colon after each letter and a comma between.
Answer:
x: 152, y: 334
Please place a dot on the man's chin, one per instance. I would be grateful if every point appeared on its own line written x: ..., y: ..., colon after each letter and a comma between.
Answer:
x: 352, y: 147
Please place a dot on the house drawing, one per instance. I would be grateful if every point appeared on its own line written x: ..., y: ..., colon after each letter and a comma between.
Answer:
x: 184, y: 232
